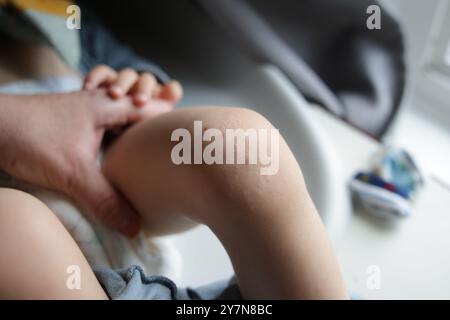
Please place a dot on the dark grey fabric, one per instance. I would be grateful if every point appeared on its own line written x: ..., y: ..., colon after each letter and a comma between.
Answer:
x: 14, y: 25
x: 133, y: 284
x: 100, y: 46
x: 327, y: 51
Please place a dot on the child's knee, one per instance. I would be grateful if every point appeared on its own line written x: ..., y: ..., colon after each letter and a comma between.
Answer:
x: 196, y: 185
x: 261, y: 167
x: 249, y: 146
x: 232, y: 141
x: 231, y: 118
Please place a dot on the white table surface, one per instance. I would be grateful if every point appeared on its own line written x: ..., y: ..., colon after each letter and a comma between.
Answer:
x: 413, y: 255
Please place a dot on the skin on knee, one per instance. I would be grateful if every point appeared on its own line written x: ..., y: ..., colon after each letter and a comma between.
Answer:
x: 37, y: 252
x: 139, y: 164
x: 268, y: 224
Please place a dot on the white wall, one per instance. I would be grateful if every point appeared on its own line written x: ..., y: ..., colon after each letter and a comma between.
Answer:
x: 418, y: 17
x: 423, y: 123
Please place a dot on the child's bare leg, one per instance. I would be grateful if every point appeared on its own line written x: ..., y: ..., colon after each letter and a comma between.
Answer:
x: 268, y: 224
x: 36, y: 251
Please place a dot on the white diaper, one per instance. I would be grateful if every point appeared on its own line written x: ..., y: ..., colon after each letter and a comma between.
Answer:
x: 100, y: 245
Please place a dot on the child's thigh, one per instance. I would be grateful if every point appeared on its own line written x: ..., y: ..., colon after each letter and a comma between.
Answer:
x: 37, y: 253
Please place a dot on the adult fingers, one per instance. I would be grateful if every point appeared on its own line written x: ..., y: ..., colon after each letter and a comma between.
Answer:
x: 120, y: 112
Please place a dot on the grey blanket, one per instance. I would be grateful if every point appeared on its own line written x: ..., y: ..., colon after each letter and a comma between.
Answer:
x: 326, y: 49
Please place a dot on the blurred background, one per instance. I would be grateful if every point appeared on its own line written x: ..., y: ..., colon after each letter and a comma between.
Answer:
x: 339, y: 92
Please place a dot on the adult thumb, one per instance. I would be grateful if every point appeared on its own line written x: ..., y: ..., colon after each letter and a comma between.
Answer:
x: 122, y: 111
x: 106, y: 204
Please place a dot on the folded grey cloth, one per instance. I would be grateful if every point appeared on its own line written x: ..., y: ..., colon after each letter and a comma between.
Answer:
x: 133, y: 284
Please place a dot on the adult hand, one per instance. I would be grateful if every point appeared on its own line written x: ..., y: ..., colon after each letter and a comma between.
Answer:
x: 53, y: 141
